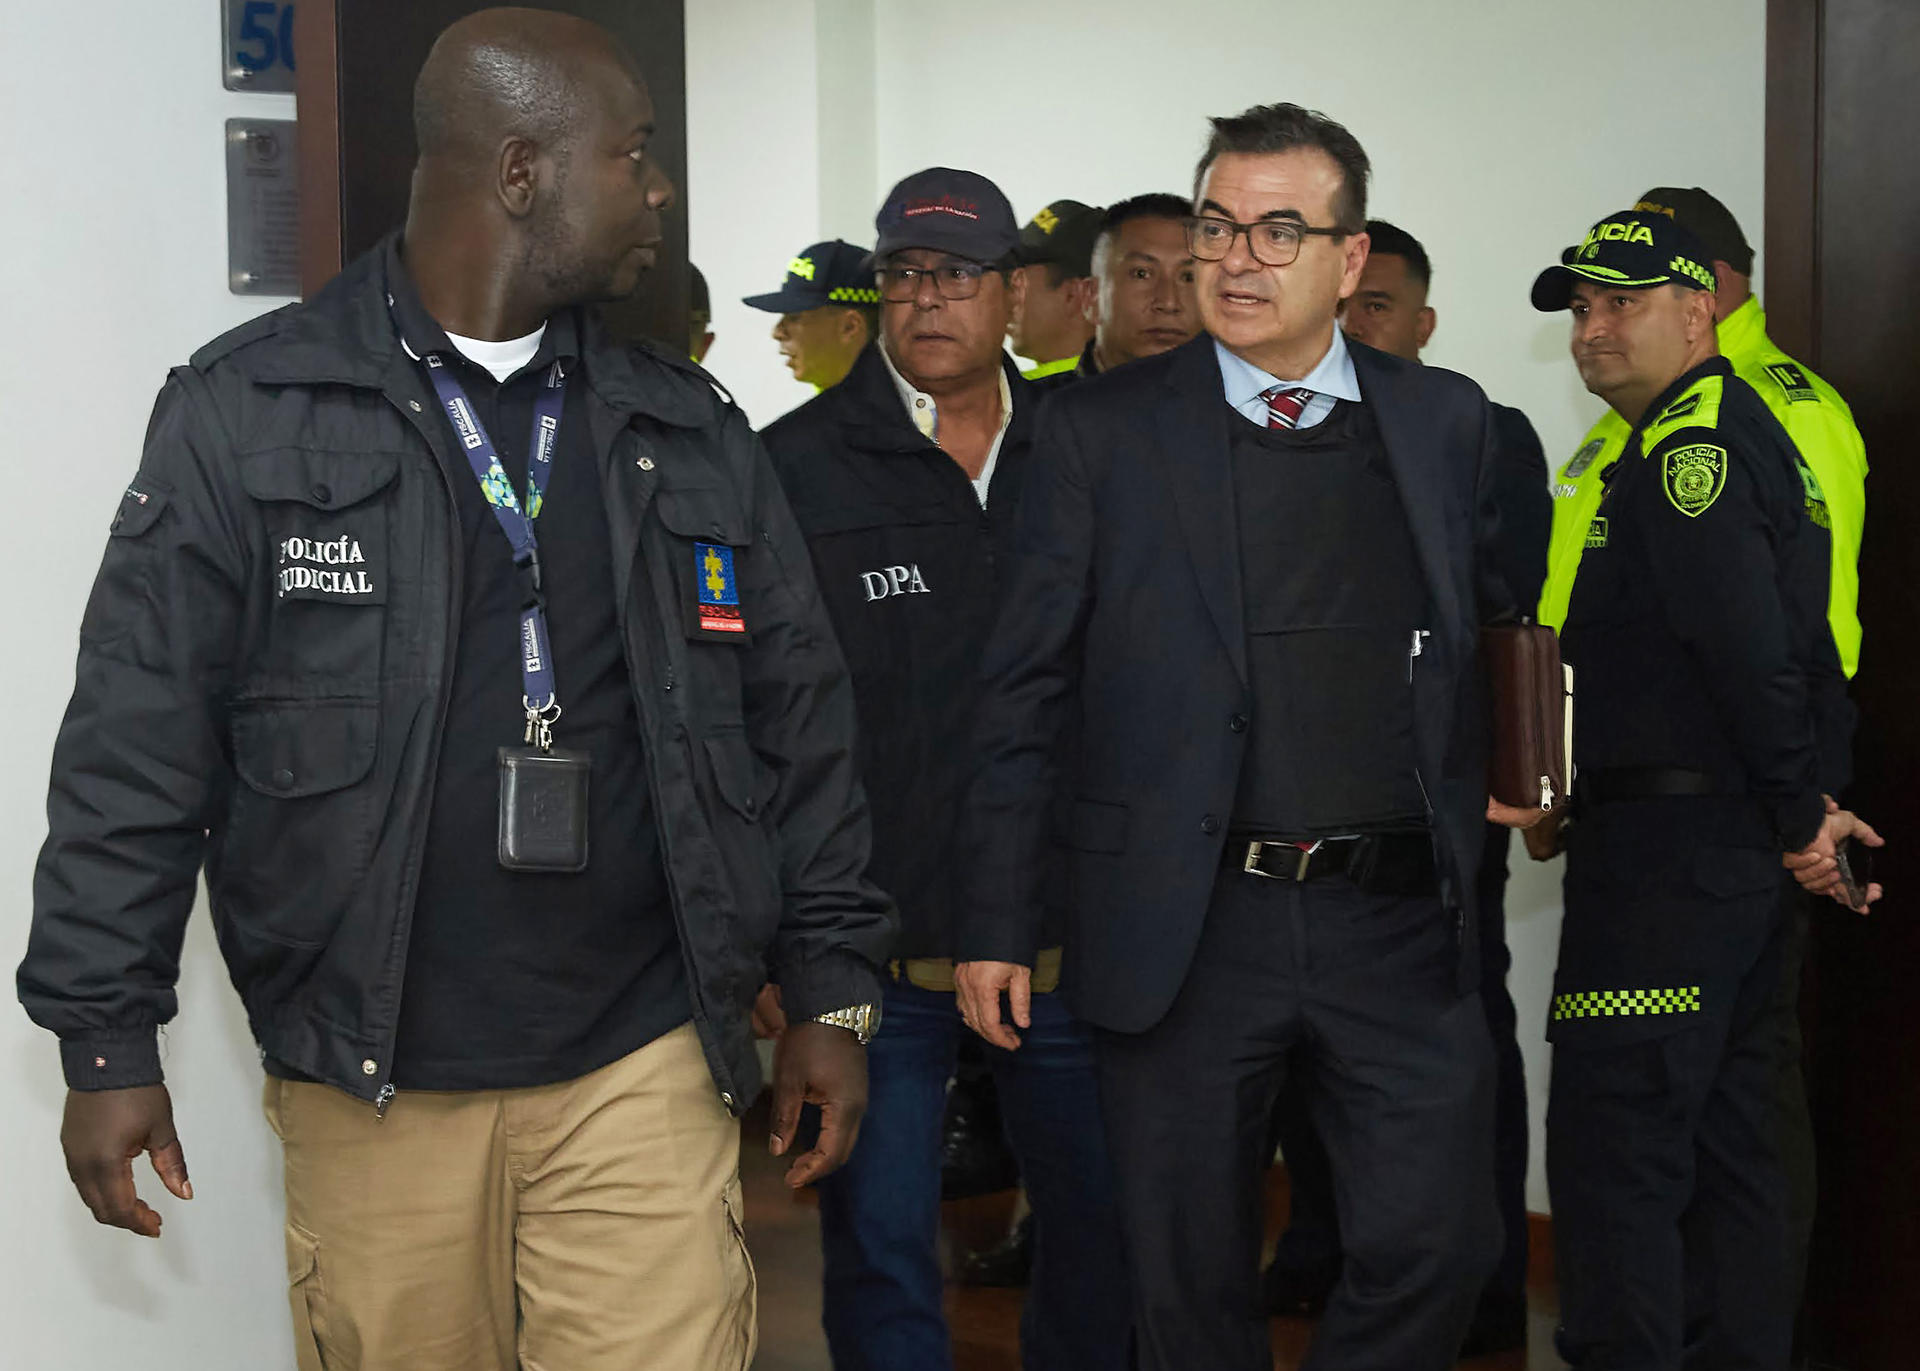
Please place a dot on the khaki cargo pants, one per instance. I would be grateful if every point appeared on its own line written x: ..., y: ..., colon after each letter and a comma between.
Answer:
x: 585, y: 1226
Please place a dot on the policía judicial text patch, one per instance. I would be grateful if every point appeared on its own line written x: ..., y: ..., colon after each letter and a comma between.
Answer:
x: 339, y: 569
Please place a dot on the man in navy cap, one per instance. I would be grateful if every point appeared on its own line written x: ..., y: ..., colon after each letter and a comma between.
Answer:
x: 906, y: 479
x: 829, y: 311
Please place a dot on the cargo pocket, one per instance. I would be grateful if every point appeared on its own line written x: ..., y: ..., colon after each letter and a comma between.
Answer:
x: 306, y: 1296
x: 303, y: 805
x: 742, y: 1327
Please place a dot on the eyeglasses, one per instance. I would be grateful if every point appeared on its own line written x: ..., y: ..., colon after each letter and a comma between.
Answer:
x: 1273, y: 242
x: 900, y: 284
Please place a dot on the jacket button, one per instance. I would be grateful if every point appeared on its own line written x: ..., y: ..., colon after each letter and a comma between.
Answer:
x: 726, y: 1099
x: 415, y: 405
x: 645, y: 464
x: 369, y: 1066
x: 1209, y: 825
x: 283, y: 779
x: 323, y: 494
x: 1238, y: 723
x: 752, y: 808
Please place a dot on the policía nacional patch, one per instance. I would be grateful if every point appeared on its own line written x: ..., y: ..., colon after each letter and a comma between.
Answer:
x: 718, y: 601
x: 1694, y: 476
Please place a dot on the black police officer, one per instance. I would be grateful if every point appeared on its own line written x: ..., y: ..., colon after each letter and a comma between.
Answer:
x: 1712, y: 728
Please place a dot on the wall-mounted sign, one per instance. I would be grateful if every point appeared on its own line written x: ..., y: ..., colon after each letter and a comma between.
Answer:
x: 263, y: 208
x: 258, y: 53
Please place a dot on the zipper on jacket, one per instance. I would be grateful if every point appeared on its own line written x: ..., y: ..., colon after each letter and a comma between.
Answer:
x: 651, y: 740
x: 417, y: 857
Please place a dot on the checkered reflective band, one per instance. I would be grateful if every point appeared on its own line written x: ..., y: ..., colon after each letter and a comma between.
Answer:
x: 1613, y: 1004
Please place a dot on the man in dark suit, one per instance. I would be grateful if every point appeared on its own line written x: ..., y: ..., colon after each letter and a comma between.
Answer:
x: 1389, y: 311
x: 1254, y: 568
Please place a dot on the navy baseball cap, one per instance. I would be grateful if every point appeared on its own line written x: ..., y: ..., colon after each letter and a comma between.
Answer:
x: 1063, y: 234
x: 945, y: 210
x: 1712, y: 222
x: 831, y: 273
x: 1632, y: 248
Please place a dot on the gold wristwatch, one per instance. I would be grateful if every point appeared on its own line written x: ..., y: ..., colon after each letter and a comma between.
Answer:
x: 862, y: 1020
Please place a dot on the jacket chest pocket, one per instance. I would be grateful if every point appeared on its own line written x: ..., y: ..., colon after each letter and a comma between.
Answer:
x: 327, y: 561
x: 707, y: 551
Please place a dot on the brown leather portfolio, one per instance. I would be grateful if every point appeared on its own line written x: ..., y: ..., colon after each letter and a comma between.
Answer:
x: 1532, y: 695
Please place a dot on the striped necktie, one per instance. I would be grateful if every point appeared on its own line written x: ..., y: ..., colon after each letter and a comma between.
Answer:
x: 1284, y: 404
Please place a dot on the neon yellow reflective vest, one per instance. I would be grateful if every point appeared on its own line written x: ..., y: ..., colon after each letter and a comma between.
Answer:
x: 1815, y: 418
x: 1051, y: 368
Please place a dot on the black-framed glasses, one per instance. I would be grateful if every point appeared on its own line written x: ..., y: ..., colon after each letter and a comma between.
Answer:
x: 1273, y: 242
x: 955, y: 280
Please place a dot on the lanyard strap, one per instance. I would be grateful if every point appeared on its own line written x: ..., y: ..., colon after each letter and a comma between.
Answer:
x: 516, y: 521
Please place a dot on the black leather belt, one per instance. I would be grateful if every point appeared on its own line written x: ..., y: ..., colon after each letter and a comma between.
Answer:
x: 1381, y: 863
x: 1613, y: 784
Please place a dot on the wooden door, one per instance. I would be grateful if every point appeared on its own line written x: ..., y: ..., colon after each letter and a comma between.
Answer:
x: 1842, y: 279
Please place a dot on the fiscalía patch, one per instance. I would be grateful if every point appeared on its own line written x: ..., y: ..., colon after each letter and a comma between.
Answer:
x: 1694, y: 476
x: 718, y: 601
x: 1582, y: 460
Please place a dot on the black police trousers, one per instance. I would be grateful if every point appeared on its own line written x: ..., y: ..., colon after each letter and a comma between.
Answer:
x: 1402, y: 1095
x: 1664, y: 1146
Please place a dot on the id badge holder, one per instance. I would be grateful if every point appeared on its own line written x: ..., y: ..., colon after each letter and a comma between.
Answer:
x: 543, y: 809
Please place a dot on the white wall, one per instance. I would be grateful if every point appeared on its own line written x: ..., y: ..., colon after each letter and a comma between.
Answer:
x: 1498, y: 131
x: 113, y: 267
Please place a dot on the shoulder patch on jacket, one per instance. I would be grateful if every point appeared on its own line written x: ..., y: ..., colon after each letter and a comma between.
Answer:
x: 1693, y: 476
x: 1698, y: 407
x: 1793, y: 382
x: 139, y: 508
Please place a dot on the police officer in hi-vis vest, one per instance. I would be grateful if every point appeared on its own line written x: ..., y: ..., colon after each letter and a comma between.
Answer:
x: 1714, y: 727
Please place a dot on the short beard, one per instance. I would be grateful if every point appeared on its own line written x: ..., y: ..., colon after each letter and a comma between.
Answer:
x: 552, y: 257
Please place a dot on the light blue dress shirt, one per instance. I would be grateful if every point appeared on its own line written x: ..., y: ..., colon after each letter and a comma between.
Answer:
x: 1332, y: 379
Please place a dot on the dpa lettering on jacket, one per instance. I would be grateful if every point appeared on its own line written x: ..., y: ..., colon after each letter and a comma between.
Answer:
x: 894, y: 580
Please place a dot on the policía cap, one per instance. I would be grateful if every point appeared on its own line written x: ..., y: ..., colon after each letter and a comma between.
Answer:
x: 1712, y: 223
x: 1063, y: 234
x: 829, y: 273
x: 944, y: 210
x: 1633, y: 249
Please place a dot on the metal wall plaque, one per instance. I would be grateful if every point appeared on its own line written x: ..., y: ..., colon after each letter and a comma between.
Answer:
x: 257, y: 52
x: 263, y: 208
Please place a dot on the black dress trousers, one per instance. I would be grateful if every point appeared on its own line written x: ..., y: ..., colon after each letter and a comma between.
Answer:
x: 1402, y: 1085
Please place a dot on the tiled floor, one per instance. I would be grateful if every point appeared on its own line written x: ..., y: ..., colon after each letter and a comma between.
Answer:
x: 783, y: 1231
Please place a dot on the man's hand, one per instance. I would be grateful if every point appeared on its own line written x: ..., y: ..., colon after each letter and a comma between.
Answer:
x: 1817, y: 868
x: 977, y: 985
x: 1511, y: 817
x: 769, y: 1017
x: 103, y: 1131
x: 821, y: 1064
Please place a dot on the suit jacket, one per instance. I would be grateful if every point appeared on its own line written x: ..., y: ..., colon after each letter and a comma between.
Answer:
x: 1123, y: 607
x: 1524, y: 505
